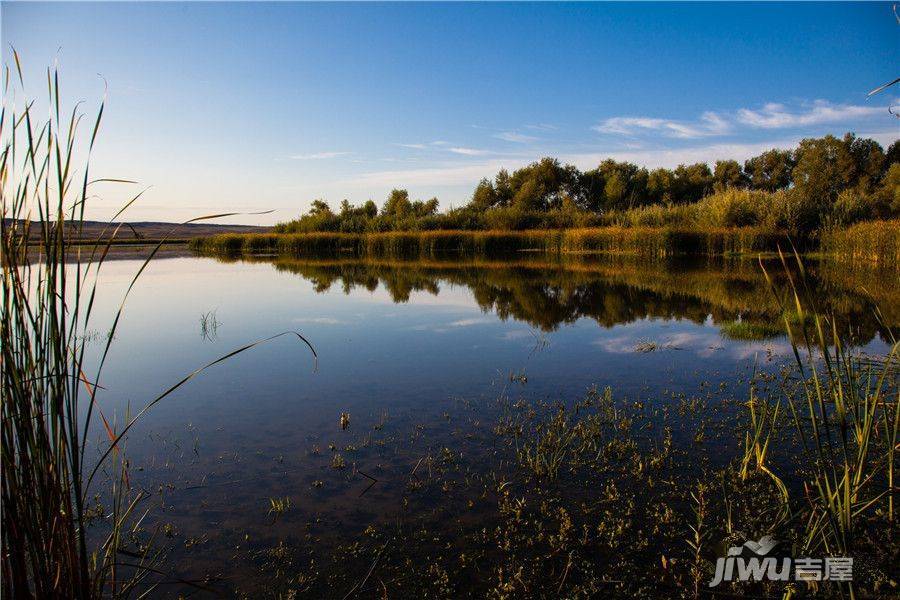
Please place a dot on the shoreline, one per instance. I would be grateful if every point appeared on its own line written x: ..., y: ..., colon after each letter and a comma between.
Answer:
x: 873, y: 242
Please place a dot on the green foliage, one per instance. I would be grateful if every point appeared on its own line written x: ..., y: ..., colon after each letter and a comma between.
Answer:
x: 771, y: 170
x: 733, y: 208
x: 824, y: 182
x: 728, y: 174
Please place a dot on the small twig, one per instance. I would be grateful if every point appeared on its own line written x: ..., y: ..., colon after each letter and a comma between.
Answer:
x: 366, y: 578
x: 367, y: 476
x: 565, y: 574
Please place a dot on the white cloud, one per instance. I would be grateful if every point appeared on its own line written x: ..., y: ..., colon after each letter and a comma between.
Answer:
x: 512, y: 136
x: 442, y: 145
x: 777, y: 116
x: 468, y: 151
x: 710, y: 123
x: 318, y: 155
x: 542, y: 127
x: 770, y: 116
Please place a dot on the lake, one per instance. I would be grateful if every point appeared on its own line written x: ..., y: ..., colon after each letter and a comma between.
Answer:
x: 256, y: 486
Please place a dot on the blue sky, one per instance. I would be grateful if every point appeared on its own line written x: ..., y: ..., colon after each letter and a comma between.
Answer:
x: 253, y: 106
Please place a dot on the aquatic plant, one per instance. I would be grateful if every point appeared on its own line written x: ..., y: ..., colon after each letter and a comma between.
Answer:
x: 841, y: 400
x: 71, y: 527
x: 209, y: 326
x: 870, y: 241
x: 640, y: 241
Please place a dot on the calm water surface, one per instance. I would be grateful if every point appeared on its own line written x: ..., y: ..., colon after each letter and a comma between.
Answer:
x: 417, y: 354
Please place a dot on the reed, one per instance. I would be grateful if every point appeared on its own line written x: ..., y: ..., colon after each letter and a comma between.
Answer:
x: 847, y: 416
x: 867, y: 242
x: 56, y: 541
x: 638, y: 241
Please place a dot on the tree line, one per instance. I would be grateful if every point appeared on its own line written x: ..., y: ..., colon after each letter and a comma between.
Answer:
x: 822, y: 181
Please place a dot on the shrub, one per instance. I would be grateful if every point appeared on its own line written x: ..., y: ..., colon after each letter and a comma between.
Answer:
x: 733, y: 208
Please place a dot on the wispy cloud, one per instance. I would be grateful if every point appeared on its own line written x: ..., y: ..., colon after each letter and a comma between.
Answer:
x: 542, y: 127
x: 769, y: 116
x: 777, y: 116
x: 468, y: 151
x: 318, y: 155
x: 514, y: 136
x: 436, y: 145
x: 710, y: 123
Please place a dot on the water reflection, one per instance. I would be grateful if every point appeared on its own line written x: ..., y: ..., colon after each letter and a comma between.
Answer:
x: 547, y: 293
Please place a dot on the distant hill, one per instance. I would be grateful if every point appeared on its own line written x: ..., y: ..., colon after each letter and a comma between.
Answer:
x: 155, y: 230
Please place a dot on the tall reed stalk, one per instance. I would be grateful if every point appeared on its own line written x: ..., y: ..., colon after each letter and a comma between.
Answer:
x: 837, y: 409
x: 55, y: 542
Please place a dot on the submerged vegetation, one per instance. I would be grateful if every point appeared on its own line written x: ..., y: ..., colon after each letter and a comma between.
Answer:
x: 640, y: 495
x: 605, y: 494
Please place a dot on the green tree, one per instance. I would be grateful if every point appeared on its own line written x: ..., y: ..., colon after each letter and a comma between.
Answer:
x: 889, y: 192
x: 542, y: 185
x: 824, y: 167
x: 503, y: 187
x: 485, y: 195
x: 660, y: 186
x: 592, y: 187
x: 728, y: 174
x: 319, y: 207
x: 428, y: 208
x: 397, y: 204
x: 869, y: 162
x: 892, y: 156
x: 692, y: 182
x: 625, y: 184
x: 615, y: 190
x: 771, y: 170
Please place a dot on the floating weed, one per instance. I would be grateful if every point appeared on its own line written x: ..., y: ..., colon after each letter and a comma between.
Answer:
x: 209, y: 326
x: 519, y: 377
x: 278, y: 506
x: 645, y: 346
